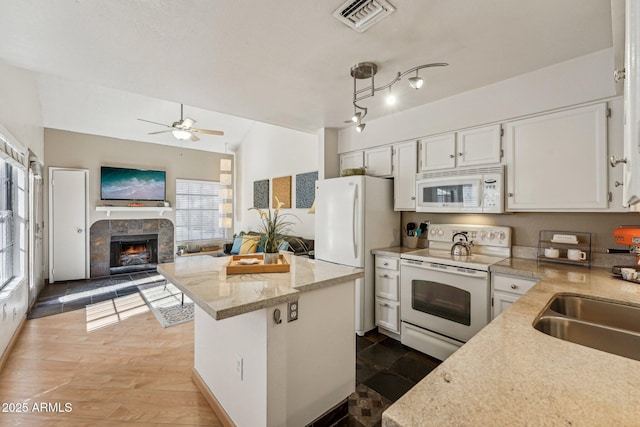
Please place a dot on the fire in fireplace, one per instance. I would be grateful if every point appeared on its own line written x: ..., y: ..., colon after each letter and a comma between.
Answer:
x: 133, y: 253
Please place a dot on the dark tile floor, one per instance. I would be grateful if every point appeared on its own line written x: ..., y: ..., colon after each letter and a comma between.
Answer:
x: 61, y: 297
x: 385, y: 369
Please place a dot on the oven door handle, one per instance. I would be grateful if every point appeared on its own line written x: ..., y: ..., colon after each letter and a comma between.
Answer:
x: 450, y: 269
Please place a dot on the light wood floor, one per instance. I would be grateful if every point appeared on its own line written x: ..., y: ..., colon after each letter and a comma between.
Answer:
x: 132, y: 372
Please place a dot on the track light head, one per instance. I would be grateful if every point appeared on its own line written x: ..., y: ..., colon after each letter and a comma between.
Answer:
x: 360, y: 127
x: 356, y: 117
x: 416, y: 82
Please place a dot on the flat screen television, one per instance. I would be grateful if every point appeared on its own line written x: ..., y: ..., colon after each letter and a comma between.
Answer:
x: 132, y: 184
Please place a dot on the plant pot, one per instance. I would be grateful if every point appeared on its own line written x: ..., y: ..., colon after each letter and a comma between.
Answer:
x: 271, y: 258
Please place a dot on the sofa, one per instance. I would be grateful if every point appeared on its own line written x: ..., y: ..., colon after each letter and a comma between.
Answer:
x: 246, y: 243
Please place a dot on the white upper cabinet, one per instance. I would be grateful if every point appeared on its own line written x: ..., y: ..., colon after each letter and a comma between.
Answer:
x: 405, y: 165
x: 352, y: 160
x: 470, y: 147
x: 438, y: 152
x: 558, y: 161
x: 478, y: 146
x: 631, y: 188
x: 615, y: 146
x: 378, y: 161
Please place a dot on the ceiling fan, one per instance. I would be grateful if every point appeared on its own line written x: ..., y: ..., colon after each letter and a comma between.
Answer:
x: 182, y: 129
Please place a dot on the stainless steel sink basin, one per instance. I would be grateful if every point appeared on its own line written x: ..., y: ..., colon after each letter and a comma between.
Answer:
x: 602, y: 325
x: 596, y: 311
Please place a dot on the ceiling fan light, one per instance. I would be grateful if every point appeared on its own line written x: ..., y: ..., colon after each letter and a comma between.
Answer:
x: 416, y: 82
x: 180, y: 134
x: 360, y: 127
x: 356, y: 117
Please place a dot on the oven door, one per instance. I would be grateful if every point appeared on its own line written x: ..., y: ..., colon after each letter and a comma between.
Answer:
x: 454, y: 194
x: 451, y: 301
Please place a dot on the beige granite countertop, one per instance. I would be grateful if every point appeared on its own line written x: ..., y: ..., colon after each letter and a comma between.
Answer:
x: 511, y: 374
x: 204, y: 280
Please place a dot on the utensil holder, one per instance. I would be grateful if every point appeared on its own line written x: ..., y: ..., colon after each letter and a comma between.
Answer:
x: 411, y: 242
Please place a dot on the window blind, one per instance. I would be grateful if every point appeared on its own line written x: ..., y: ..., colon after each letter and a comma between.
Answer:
x: 197, y: 213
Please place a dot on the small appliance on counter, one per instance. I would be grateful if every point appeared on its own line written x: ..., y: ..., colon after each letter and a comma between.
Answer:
x: 628, y: 235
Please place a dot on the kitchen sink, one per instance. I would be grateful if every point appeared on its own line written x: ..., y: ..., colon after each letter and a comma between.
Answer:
x: 607, y: 326
x: 592, y: 310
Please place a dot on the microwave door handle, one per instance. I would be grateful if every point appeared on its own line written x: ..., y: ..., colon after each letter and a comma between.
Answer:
x: 353, y: 221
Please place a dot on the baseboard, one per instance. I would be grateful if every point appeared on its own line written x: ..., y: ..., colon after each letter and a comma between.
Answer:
x: 12, y: 343
x: 211, y: 400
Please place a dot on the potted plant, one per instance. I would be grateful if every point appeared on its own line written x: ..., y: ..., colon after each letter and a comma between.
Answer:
x: 182, y: 249
x: 274, y: 229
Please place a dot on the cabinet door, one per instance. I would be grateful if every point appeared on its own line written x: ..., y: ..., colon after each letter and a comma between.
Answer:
x: 351, y: 160
x: 377, y: 162
x: 478, y: 146
x: 405, y: 160
x: 557, y: 161
x: 631, y: 187
x: 387, y: 315
x: 502, y: 301
x: 387, y: 283
x: 438, y: 152
x: 616, y: 149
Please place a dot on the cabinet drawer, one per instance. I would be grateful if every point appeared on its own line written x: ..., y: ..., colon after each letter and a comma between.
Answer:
x: 387, y: 284
x: 516, y: 285
x: 388, y: 315
x: 388, y: 263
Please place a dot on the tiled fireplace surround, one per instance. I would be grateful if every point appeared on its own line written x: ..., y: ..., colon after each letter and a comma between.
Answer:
x: 100, y: 239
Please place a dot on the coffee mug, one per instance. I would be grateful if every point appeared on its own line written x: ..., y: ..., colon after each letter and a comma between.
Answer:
x: 551, y: 253
x: 576, y: 255
x: 629, y: 273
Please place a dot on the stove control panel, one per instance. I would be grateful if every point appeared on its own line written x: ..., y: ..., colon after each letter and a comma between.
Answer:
x: 480, y: 235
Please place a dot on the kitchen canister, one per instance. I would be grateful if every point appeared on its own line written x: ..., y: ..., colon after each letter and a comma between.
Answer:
x: 411, y: 242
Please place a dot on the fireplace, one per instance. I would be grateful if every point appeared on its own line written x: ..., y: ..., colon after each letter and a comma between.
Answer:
x: 133, y: 253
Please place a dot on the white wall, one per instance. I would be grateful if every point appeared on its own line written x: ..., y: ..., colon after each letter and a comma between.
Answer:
x: 579, y: 80
x: 21, y: 115
x: 268, y: 152
x: 20, y: 110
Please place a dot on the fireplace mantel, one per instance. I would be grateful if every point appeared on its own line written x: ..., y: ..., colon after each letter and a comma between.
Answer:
x: 108, y: 209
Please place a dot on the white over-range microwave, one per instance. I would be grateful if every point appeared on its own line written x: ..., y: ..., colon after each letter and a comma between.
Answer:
x: 479, y: 190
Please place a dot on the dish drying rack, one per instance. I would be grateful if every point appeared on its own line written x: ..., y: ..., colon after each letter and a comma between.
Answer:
x: 563, y: 241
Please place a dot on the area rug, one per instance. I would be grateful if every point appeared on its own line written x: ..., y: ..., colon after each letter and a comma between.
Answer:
x: 165, y: 301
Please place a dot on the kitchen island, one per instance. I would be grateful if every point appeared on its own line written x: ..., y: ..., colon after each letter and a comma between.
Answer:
x: 511, y: 374
x: 254, y: 364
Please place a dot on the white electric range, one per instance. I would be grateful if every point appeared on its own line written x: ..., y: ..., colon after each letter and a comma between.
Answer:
x: 446, y: 299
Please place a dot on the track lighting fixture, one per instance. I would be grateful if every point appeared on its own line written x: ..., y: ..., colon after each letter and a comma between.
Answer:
x: 367, y: 70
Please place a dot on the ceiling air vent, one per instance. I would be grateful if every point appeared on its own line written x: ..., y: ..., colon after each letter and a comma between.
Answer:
x: 362, y: 14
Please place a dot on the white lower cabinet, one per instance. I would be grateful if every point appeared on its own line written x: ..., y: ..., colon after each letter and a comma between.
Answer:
x: 388, y: 293
x: 506, y: 290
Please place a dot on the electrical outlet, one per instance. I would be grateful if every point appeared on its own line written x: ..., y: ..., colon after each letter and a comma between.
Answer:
x: 294, y: 310
x: 239, y: 367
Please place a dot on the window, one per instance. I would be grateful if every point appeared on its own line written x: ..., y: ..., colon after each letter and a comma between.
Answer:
x: 6, y: 223
x: 197, y: 213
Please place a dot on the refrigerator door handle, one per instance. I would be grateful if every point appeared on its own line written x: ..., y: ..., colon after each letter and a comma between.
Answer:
x: 353, y: 221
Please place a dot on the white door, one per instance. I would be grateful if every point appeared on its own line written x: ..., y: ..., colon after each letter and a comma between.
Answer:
x: 67, y: 224
x: 339, y: 204
x: 377, y: 162
x: 438, y: 152
x: 404, y: 176
x: 478, y: 146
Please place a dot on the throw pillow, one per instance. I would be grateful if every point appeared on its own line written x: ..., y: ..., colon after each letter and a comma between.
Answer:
x: 235, y: 249
x: 249, y: 244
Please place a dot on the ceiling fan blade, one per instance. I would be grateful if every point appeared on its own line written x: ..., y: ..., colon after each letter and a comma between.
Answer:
x: 194, y: 138
x: 160, y: 131
x: 209, y: 132
x: 155, y: 123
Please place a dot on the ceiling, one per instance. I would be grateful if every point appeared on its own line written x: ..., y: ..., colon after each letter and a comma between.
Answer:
x: 104, y: 64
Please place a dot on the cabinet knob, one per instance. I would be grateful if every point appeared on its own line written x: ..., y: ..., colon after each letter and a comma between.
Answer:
x: 514, y: 286
x: 413, y: 197
x: 509, y: 194
x: 451, y: 156
x: 459, y: 154
x: 618, y: 184
x: 613, y: 161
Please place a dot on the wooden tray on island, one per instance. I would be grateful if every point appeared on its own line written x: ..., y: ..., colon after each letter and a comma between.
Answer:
x: 234, y: 267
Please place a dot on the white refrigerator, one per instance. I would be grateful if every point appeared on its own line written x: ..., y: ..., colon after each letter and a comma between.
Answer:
x: 354, y: 215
